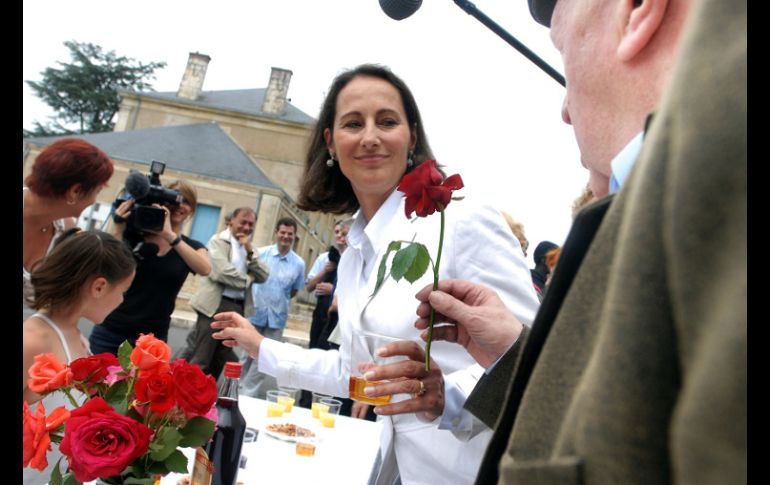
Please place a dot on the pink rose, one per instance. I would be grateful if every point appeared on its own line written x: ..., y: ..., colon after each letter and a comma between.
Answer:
x: 98, y: 442
x: 113, y: 377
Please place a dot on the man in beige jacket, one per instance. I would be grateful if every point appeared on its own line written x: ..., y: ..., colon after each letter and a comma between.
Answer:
x: 234, y: 267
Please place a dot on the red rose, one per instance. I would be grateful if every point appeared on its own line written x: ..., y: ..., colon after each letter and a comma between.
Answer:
x: 157, y: 389
x: 426, y: 191
x: 151, y: 354
x: 98, y: 442
x: 195, y: 391
x: 93, y: 369
x: 36, y: 440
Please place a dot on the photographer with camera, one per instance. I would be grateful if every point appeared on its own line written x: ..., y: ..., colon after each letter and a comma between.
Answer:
x: 164, y: 259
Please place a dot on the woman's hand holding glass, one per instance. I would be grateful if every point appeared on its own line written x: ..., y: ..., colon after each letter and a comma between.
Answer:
x: 407, y: 376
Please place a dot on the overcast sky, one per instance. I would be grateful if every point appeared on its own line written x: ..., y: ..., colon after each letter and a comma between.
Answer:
x: 490, y: 114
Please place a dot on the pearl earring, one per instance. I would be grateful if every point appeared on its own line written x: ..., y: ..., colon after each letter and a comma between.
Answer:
x: 409, y: 162
x: 330, y: 162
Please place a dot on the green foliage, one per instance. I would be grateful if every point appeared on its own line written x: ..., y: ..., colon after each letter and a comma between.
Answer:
x: 197, y: 432
x: 164, y: 443
x: 393, y: 246
x: 124, y: 355
x: 117, y: 396
x: 56, y: 478
x: 84, y: 92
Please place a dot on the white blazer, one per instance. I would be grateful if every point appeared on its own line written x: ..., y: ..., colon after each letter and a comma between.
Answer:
x: 479, y: 247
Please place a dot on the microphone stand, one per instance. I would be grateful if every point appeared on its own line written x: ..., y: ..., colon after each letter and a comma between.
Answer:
x: 471, y: 10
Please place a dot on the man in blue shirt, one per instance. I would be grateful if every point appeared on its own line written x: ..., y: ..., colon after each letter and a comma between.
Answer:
x: 271, y: 300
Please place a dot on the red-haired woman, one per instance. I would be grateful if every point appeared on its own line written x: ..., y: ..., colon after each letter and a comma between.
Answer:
x: 65, y: 179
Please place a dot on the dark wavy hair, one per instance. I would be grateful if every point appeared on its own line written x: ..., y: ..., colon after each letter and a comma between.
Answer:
x: 67, y: 162
x: 78, y: 257
x: 326, y: 189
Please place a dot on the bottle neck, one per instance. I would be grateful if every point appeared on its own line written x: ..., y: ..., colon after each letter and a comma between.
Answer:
x: 229, y: 388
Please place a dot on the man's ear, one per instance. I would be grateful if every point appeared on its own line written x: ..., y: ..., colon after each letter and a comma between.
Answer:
x: 641, y: 19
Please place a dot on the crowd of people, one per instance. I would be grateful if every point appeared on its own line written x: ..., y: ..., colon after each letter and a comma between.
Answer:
x: 620, y: 358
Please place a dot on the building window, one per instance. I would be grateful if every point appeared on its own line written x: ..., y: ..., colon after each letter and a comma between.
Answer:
x: 205, y: 222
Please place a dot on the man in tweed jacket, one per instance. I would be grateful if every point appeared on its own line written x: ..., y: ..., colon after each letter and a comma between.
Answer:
x: 634, y: 370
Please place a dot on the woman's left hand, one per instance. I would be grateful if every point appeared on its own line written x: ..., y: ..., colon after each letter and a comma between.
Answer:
x: 408, y: 377
x: 235, y: 330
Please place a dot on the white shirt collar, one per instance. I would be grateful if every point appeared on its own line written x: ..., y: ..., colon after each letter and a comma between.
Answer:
x: 624, y: 162
x: 365, y: 236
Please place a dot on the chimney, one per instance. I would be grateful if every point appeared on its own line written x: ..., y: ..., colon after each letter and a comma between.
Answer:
x: 277, y: 89
x: 192, y: 80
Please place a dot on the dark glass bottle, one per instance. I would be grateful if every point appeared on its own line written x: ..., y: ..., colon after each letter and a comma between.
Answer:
x: 217, y: 462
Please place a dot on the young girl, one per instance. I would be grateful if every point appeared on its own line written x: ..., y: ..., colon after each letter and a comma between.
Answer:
x: 85, y: 275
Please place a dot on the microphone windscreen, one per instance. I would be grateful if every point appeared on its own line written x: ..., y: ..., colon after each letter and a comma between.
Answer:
x: 399, y: 9
x: 137, y: 185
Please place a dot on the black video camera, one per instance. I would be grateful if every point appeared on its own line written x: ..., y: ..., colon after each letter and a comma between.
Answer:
x: 146, y: 191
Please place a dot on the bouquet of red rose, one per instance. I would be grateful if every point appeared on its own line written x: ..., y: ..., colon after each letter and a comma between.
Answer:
x: 138, y: 409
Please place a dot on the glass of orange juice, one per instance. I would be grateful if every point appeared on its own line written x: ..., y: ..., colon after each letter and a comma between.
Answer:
x: 363, y: 356
x: 276, y: 403
x: 328, y: 411
x: 317, y: 406
x: 291, y: 399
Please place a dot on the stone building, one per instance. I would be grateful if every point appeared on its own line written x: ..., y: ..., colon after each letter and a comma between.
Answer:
x: 238, y: 147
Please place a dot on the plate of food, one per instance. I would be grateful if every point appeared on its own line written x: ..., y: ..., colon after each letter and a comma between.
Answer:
x: 288, y: 432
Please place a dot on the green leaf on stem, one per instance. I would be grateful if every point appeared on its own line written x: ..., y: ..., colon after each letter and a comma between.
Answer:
x: 402, y: 261
x: 176, y: 462
x: 164, y: 443
x: 419, y: 264
x: 69, y: 479
x: 393, y: 246
x: 197, y: 432
x: 459, y: 197
x: 117, y: 396
x: 124, y: 355
x: 56, y: 478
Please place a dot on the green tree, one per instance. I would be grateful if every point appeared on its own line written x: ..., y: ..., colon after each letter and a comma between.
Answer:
x: 84, y: 93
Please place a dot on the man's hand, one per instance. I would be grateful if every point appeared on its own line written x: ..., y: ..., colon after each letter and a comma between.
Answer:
x: 244, y: 240
x: 476, y: 319
x: 237, y: 331
x: 329, y: 267
x: 323, y: 289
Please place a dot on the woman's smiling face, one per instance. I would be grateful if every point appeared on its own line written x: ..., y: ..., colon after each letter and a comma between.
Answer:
x: 371, y: 138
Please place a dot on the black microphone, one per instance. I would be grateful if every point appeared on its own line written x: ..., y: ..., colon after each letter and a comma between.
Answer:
x: 399, y: 9
x: 137, y: 185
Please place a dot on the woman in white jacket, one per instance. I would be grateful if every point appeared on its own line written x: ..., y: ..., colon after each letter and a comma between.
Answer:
x: 368, y: 135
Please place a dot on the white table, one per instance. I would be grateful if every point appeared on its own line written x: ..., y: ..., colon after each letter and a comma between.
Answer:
x: 344, y: 454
